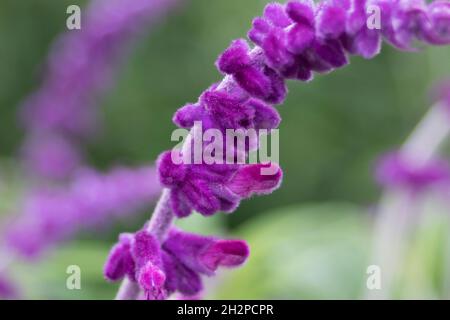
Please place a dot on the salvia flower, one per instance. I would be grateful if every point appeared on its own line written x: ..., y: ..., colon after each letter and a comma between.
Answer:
x: 396, y: 170
x: 50, y: 215
x: 210, y: 188
x: 173, y: 265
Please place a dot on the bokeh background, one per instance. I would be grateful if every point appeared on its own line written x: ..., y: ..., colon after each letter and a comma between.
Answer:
x: 311, y: 238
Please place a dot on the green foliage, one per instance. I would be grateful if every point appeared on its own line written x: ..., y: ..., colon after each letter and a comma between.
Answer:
x: 303, y: 252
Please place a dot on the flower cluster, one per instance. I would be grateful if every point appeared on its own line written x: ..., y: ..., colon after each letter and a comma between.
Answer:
x: 91, y: 200
x: 292, y: 41
x: 173, y: 265
x: 210, y: 188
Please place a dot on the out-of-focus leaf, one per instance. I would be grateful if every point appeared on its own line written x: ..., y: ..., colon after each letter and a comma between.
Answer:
x: 304, y: 252
x: 425, y: 273
x: 47, y: 279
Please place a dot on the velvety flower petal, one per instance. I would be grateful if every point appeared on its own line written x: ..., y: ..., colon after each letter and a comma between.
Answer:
x: 235, y: 58
x: 409, y: 21
x: 278, y: 89
x: 205, y: 254
x: 228, y: 111
x: 251, y: 179
x: 170, y: 174
x: 120, y: 263
x: 330, y: 52
x: 299, y: 38
x: 274, y: 46
x: 264, y: 84
x: 258, y: 32
x: 151, y: 278
x: 357, y: 16
x: 144, y: 248
x: 331, y: 19
x: 265, y: 117
x: 187, y: 115
x: 225, y: 253
x: 275, y: 13
x: 180, y: 205
x: 302, y: 12
x: 179, y: 277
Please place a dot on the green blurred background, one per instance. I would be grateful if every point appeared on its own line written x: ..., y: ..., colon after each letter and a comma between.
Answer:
x: 310, y: 238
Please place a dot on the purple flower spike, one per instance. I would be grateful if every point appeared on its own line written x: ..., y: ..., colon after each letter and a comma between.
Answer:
x: 394, y: 170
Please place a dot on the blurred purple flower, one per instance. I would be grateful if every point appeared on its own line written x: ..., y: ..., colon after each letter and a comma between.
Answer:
x: 50, y: 156
x: 7, y: 289
x: 395, y: 170
x: 92, y: 200
x: 79, y: 69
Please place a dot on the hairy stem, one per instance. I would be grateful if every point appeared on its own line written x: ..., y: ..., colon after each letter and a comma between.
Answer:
x: 396, y: 209
x: 158, y: 225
